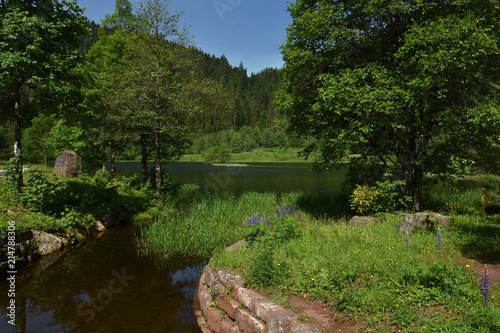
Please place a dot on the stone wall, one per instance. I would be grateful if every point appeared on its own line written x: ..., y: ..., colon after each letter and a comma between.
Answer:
x: 227, y: 306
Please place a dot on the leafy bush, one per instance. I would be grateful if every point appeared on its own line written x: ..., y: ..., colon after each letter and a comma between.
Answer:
x: 386, y: 196
x: 73, y: 219
x: 102, y: 178
x: 11, y: 175
x: 39, y: 193
x: 364, y: 199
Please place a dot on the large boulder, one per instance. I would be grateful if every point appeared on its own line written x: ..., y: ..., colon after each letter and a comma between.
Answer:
x: 421, y: 221
x: 65, y: 164
x: 48, y: 243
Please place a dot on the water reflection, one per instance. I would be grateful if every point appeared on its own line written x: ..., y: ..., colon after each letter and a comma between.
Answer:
x: 105, y: 286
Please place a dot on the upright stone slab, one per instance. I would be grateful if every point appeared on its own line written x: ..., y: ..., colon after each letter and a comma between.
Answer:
x: 66, y: 164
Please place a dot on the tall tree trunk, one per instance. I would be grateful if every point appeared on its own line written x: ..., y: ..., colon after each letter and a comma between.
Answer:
x: 18, y: 120
x: 414, y: 184
x: 157, y: 165
x: 144, y: 158
x: 112, y: 160
x: 103, y: 157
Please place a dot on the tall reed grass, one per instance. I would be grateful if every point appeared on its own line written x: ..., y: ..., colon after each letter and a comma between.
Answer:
x: 199, y: 222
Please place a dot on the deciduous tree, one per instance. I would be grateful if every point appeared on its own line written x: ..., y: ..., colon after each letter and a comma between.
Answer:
x: 412, y: 85
x: 39, y: 57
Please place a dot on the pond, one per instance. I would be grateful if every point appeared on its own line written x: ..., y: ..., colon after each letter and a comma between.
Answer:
x: 105, y: 286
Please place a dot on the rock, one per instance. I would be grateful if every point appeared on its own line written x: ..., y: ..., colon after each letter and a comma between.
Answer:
x: 361, y: 220
x: 236, y: 246
x: 48, y: 243
x: 65, y: 164
x: 492, y: 208
x: 421, y: 221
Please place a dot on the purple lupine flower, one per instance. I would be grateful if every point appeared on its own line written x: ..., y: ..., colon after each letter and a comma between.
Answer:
x: 278, y: 212
x: 485, y: 286
x: 294, y: 210
x: 407, y: 240
x: 248, y: 222
x: 439, y: 241
x: 268, y: 227
x: 263, y: 219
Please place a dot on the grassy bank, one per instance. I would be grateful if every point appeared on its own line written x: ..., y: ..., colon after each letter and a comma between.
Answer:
x: 371, y: 274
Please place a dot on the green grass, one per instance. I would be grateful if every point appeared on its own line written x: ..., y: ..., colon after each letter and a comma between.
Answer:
x: 368, y: 274
x: 199, y: 222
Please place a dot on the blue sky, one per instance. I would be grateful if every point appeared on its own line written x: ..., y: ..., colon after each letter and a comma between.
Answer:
x: 242, y: 30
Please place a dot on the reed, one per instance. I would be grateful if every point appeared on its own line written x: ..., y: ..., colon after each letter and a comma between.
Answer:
x: 198, y: 222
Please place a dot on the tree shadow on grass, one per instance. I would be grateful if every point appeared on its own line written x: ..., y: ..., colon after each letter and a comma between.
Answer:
x: 480, y: 242
x: 325, y: 204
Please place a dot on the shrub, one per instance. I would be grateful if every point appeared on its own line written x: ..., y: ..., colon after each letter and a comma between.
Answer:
x: 102, y: 178
x: 73, y: 219
x: 364, y: 199
x: 38, y: 192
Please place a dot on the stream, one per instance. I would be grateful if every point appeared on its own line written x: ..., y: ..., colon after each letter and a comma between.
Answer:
x: 104, y: 286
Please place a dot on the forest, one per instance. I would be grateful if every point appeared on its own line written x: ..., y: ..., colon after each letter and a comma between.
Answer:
x: 108, y: 115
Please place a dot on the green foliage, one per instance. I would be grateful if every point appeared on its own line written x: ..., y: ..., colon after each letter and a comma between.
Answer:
x: 220, y: 154
x: 102, y: 178
x: 196, y: 222
x: 255, y: 233
x: 167, y: 184
x: 72, y: 219
x: 364, y: 199
x: 409, y: 86
x: 39, y: 193
x: 12, y: 173
x: 267, y: 268
x: 386, y: 196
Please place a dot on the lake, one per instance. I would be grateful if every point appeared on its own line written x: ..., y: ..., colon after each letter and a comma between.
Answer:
x: 259, y: 177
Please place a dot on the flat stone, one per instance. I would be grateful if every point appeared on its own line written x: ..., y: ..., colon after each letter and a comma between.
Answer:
x: 236, y: 246
x: 247, y: 297
x: 280, y: 321
x: 248, y: 323
x: 361, y: 220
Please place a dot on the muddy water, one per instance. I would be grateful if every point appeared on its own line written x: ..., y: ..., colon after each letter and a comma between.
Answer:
x: 104, y: 286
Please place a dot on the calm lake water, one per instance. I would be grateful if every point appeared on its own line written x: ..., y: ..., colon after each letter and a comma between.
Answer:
x: 259, y: 177
x: 105, y: 286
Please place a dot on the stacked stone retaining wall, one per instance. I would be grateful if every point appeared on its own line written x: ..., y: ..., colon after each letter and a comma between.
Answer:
x: 226, y: 306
